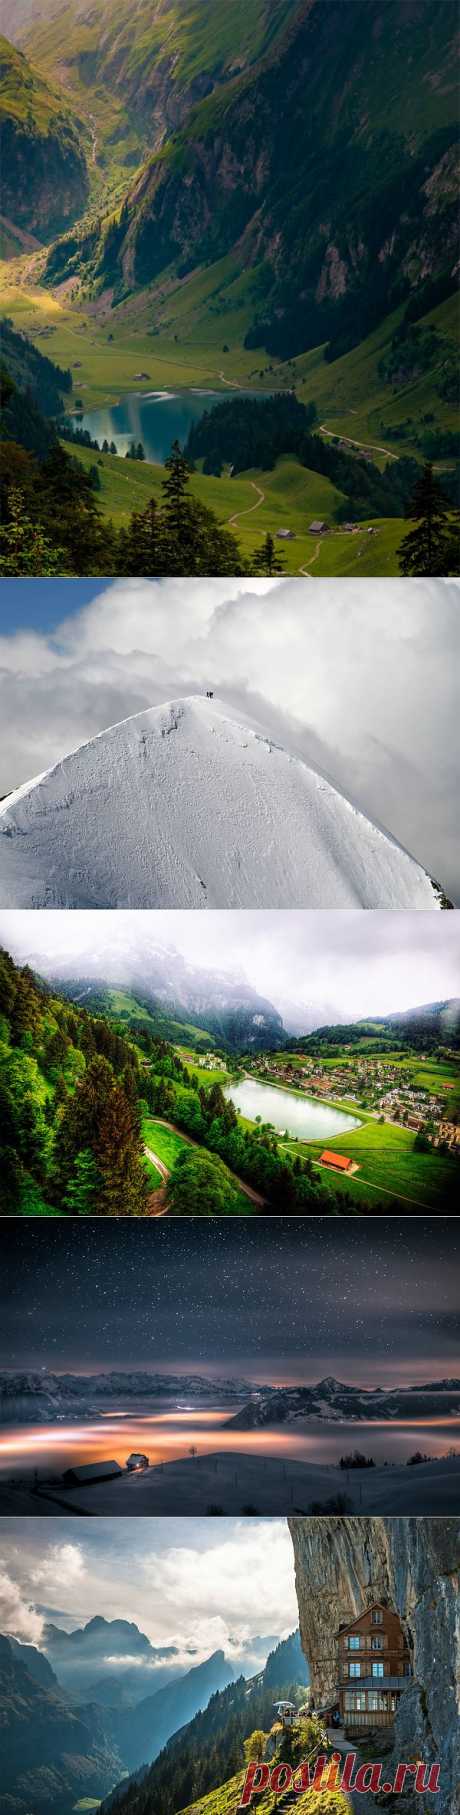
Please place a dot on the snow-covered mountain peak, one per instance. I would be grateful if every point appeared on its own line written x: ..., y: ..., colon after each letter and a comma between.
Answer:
x: 191, y: 805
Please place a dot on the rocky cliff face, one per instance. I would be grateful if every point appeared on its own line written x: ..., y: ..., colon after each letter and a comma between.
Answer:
x: 44, y: 171
x: 341, y: 1566
x: 330, y: 165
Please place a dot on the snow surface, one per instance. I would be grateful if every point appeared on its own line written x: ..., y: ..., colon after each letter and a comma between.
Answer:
x: 234, y: 1480
x: 187, y: 806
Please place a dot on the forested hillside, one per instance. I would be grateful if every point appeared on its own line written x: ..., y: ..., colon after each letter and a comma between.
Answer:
x: 74, y: 1091
x: 212, y: 1747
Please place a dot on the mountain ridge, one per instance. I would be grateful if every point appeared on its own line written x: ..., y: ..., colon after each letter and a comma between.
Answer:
x: 186, y: 805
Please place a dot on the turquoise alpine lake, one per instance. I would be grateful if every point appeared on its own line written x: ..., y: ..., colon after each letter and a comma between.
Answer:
x: 156, y: 418
x: 295, y: 1115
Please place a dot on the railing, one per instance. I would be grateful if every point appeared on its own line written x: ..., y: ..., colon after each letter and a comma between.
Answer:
x: 368, y: 1717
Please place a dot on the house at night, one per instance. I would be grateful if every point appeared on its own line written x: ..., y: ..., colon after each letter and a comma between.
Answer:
x: 90, y: 1472
x: 373, y: 1668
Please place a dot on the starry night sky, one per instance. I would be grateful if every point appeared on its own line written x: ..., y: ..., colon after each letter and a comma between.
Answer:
x: 371, y: 1300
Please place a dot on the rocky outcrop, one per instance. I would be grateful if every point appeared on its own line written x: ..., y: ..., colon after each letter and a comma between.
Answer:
x: 341, y: 1566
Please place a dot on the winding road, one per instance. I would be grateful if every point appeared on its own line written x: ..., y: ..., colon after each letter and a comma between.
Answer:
x: 165, y: 1171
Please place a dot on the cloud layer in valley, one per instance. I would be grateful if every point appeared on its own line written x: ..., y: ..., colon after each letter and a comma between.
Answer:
x: 358, y: 677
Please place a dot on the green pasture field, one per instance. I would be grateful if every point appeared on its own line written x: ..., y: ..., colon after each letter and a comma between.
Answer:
x: 163, y: 1141
x: 388, y: 1166
x: 292, y: 498
x: 200, y: 1071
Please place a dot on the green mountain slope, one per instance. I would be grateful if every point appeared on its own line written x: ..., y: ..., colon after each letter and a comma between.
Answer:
x: 333, y: 161
x: 433, y: 1025
x: 44, y: 174
x: 138, y: 67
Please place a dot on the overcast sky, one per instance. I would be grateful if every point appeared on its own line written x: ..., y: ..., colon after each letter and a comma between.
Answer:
x: 359, y: 677
x: 200, y: 1584
x: 338, y: 965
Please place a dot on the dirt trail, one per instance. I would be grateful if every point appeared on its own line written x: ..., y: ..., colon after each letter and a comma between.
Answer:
x: 231, y: 383
x: 248, y: 513
x: 373, y: 445
x: 308, y: 564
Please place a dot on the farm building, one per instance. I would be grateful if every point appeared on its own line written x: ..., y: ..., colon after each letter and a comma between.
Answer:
x: 286, y: 535
x: 339, y: 1161
x: 318, y: 528
x: 89, y: 1472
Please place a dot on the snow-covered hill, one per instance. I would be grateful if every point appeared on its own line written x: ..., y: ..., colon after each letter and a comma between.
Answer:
x: 187, y: 806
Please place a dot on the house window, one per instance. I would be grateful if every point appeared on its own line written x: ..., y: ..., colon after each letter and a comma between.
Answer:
x: 377, y: 1617
x: 354, y: 1701
x: 353, y: 1643
x: 377, y: 1669
x: 377, y: 1642
x: 375, y: 1700
x: 354, y: 1670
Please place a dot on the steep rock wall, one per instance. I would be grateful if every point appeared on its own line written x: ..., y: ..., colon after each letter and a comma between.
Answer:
x: 341, y: 1566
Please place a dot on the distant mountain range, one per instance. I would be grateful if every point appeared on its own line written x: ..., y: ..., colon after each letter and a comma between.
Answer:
x: 334, y: 1401
x: 110, y: 1661
x: 43, y: 1399
x: 61, y: 1743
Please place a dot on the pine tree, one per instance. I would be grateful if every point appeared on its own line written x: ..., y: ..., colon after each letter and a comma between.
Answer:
x: 430, y: 547
x: 140, y: 544
x: 266, y: 558
x: 81, y: 1197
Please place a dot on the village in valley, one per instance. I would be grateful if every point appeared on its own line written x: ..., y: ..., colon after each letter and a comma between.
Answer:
x: 389, y: 1089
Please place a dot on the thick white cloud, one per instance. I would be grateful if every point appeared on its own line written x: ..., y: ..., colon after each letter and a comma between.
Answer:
x: 198, y: 1584
x: 17, y: 1618
x: 62, y: 1568
x: 360, y: 677
x: 226, y: 1594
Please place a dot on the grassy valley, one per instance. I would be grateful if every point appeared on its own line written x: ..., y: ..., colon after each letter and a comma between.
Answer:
x: 274, y: 236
